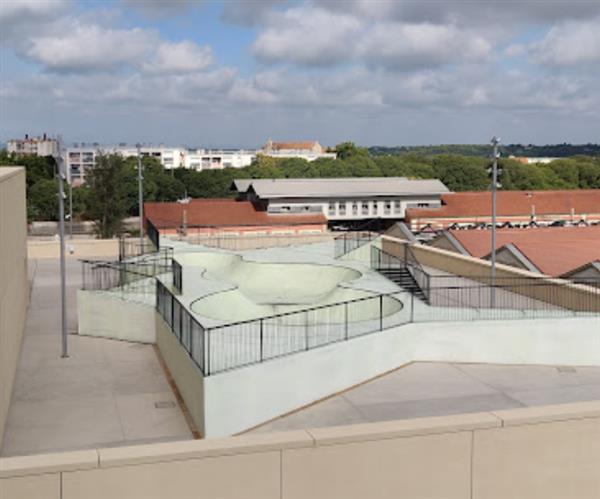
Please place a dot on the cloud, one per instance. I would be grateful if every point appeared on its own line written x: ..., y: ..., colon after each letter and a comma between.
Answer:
x: 162, y: 8
x: 179, y: 57
x: 407, y: 46
x: 248, y: 12
x: 569, y: 44
x: 91, y: 48
x: 13, y: 10
x: 307, y: 36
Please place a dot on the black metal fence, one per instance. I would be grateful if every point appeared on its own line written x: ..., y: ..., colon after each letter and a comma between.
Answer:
x: 191, y: 334
x: 351, y: 240
x: 132, y: 279
x: 133, y: 248
x: 177, y: 276
x: 229, y: 346
x: 153, y: 234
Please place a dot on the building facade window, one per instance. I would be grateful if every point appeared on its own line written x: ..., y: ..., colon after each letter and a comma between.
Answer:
x: 397, y: 206
x: 365, y: 207
x: 387, y: 207
x: 355, y: 208
x: 331, y: 209
x: 342, y: 207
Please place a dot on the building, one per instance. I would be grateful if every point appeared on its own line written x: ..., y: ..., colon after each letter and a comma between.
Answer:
x: 308, y: 150
x: 39, y: 146
x: 533, y: 161
x: 227, y: 216
x: 81, y: 157
x: 514, y: 207
x: 571, y: 252
x: 342, y: 199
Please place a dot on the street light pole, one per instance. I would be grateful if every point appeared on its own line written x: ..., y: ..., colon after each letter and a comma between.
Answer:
x: 495, y: 141
x: 140, y: 196
x: 61, y: 225
x: 70, y: 209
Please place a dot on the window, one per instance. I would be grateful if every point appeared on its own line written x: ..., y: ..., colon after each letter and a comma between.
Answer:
x: 423, y: 205
x: 387, y: 207
x: 397, y: 206
x: 342, y: 208
x: 365, y: 207
x: 331, y: 209
x: 355, y: 208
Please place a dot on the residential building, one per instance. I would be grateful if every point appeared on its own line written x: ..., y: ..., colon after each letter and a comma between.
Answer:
x: 515, y: 207
x: 533, y: 161
x: 342, y: 199
x: 39, y: 146
x: 571, y: 252
x: 308, y: 150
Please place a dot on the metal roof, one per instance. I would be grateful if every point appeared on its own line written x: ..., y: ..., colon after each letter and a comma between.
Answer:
x: 341, y: 187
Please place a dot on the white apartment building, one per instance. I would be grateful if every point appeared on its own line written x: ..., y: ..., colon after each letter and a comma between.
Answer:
x: 39, y: 146
x: 81, y: 157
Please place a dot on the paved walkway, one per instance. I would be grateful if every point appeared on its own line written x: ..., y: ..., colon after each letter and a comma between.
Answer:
x: 106, y: 393
x: 436, y: 389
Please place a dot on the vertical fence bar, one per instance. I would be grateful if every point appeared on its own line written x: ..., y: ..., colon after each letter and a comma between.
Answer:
x: 261, y: 340
x: 381, y: 312
x: 346, y: 320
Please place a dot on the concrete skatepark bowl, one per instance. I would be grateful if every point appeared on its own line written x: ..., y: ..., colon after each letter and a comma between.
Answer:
x: 265, y: 289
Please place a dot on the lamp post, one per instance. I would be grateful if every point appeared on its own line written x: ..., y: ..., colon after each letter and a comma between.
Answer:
x: 61, y: 225
x: 140, y: 196
x: 495, y: 141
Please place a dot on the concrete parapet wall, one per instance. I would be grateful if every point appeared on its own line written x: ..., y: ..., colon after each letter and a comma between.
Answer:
x: 188, y: 378
x: 14, y: 292
x: 554, y: 291
x: 103, y: 315
x: 547, y: 452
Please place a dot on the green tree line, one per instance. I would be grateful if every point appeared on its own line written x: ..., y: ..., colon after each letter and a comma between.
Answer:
x: 110, y: 192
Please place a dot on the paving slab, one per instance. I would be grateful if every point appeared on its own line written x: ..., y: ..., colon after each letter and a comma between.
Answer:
x: 106, y: 393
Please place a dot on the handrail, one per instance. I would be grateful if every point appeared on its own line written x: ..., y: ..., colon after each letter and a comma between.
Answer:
x: 349, y: 241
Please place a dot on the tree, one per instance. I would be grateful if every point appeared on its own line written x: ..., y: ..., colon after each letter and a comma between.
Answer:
x: 107, y: 195
x: 42, y: 200
x: 350, y: 149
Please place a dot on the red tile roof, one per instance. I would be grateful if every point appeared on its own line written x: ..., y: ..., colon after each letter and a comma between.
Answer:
x: 512, y: 203
x: 221, y: 213
x: 293, y: 145
x: 553, y: 250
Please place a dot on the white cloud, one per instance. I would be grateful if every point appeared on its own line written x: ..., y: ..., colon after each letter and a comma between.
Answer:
x: 421, y: 45
x: 162, y: 8
x: 90, y: 47
x: 248, y: 12
x: 179, y: 57
x: 307, y: 36
x: 569, y: 44
x: 13, y: 10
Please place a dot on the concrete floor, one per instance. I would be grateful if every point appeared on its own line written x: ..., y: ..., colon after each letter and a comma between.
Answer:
x: 106, y: 393
x: 435, y: 389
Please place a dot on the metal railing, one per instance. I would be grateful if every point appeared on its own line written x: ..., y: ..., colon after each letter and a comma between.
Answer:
x: 190, y: 333
x: 133, y: 279
x: 382, y: 260
x: 132, y: 248
x: 177, y: 275
x: 230, y: 346
x: 236, y: 242
x: 351, y: 240
x: 153, y: 233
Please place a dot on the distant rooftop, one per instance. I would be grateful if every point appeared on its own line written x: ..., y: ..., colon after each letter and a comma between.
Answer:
x: 554, y: 250
x: 468, y: 204
x: 340, y: 187
x: 221, y: 213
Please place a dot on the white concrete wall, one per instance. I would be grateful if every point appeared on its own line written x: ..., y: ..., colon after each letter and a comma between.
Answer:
x: 14, y: 292
x: 105, y: 316
x: 242, y: 398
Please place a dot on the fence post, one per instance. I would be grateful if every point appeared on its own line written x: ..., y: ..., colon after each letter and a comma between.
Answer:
x: 346, y: 320
x: 207, y: 350
x: 381, y: 312
x: 306, y: 330
x: 261, y: 340
x: 191, y: 333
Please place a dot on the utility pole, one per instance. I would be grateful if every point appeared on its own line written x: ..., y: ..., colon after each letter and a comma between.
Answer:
x: 495, y: 141
x: 140, y: 196
x: 61, y: 224
x: 70, y: 209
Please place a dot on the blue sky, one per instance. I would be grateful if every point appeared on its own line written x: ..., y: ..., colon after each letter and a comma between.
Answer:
x: 378, y: 72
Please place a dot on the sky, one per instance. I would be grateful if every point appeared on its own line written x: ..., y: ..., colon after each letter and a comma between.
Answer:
x: 236, y: 73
